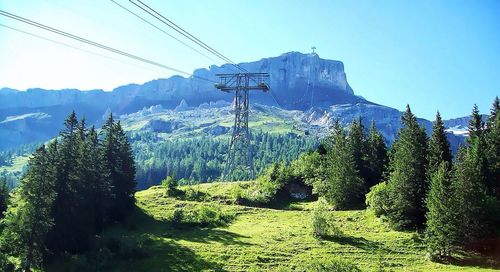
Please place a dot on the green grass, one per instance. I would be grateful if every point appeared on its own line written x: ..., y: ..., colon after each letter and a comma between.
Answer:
x: 17, y: 164
x: 260, y: 239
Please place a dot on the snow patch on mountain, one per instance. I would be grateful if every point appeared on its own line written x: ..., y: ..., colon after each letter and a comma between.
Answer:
x: 34, y: 115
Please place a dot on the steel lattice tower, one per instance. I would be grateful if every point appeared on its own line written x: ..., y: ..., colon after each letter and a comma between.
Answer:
x: 240, y: 152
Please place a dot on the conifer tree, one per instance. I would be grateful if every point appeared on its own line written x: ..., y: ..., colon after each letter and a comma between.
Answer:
x: 376, y: 156
x: 441, y: 234
x: 357, y: 144
x: 120, y: 167
x: 99, y: 185
x: 110, y: 157
x: 495, y: 108
x: 28, y: 223
x: 342, y: 187
x: 478, y: 138
x: 127, y: 170
x: 476, y: 125
x: 470, y: 194
x: 493, y: 148
x: 439, y: 147
x: 67, y: 235
x: 88, y: 195
x: 407, y: 178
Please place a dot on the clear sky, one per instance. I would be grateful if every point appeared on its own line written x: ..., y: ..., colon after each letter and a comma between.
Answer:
x: 433, y: 54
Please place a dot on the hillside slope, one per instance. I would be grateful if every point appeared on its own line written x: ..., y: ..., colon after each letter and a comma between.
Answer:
x: 258, y: 239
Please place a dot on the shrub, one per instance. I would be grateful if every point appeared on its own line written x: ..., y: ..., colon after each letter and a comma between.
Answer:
x: 194, y: 194
x: 202, y: 215
x: 262, y: 192
x: 237, y: 193
x: 266, y: 186
x: 327, y: 265
x: 378, y: 199
x: 170, y: 184
x: 178, y: 215
x: 322, y: 221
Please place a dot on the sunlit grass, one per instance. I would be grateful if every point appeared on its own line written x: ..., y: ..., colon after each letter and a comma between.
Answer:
x: 262, y: 239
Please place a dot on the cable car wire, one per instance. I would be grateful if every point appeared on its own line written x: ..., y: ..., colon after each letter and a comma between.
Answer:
x: 183, y: 32
x: 163, y: 31
x: 95, y: 44
x: 71, y: 46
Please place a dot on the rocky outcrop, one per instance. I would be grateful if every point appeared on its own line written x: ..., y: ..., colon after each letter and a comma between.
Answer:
x: 162, y: 126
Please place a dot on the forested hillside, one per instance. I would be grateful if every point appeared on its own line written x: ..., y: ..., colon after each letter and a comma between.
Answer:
x: 202, y: 159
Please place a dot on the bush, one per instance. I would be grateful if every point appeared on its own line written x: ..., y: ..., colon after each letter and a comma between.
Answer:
x: 178, y: 215
x: 327, y: 265
x: 378, y: 199
x: 266, y: 186
x: 170, y: 184
x: 202, y: 215
x: 194, y: 194
x: 322, y: 221
x: 262, y: 192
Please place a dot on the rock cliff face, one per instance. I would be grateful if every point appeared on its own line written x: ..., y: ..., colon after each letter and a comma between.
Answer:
x: 298, y: 80
x: 313, y: 89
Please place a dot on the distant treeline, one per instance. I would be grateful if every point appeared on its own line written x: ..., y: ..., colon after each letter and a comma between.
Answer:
x: 202, y: 159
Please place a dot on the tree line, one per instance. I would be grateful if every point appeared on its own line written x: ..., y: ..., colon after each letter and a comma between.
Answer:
x: 73, y: 187
x: 456, y: 201
x: 414, y: 184
x: 202, y: 159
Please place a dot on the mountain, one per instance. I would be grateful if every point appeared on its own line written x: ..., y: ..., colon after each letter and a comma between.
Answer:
x: 314, y: 89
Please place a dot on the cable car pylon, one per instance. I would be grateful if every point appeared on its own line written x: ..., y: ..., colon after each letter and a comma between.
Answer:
x: 240, y: 153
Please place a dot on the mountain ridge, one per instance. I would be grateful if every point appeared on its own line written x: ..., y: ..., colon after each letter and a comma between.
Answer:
x: 303, y: 82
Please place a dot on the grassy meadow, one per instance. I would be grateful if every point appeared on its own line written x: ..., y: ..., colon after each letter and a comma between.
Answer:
x: 256, y: 239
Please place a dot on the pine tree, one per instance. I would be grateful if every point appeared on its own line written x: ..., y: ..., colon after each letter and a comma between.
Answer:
x: 376, y: 156
x: 4, y: 195
x: 90, y: 187
x: 478, y: 138
x: 110, y: 157
x: 495, y: 108
x: 28, y: 223
x: 476, y: 124
x: 493, y: 148
x: 441, y: 234
x: 439, y: 147
x: 342, y: 187
x: 100, y: 188
x: 67, y: 234
x: 470, y: 194
x: 121, y: 168
x: 127, y: 168
x: 357, y: 144
x: 407, y: 184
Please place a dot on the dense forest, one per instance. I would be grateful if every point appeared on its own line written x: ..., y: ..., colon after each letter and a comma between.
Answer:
x: 202, y: 159
x: 191, y: 161
x: 73, y: 187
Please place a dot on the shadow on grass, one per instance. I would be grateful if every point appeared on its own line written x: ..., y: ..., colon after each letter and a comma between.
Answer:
x: 474, y: 260
x: 360, y: 243
x: 291, y: 204
x: 484, y: 253
x: 161, y: 240
x: 207, y: 235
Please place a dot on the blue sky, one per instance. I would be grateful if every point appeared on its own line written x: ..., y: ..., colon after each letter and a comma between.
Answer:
x: 433, y: 54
